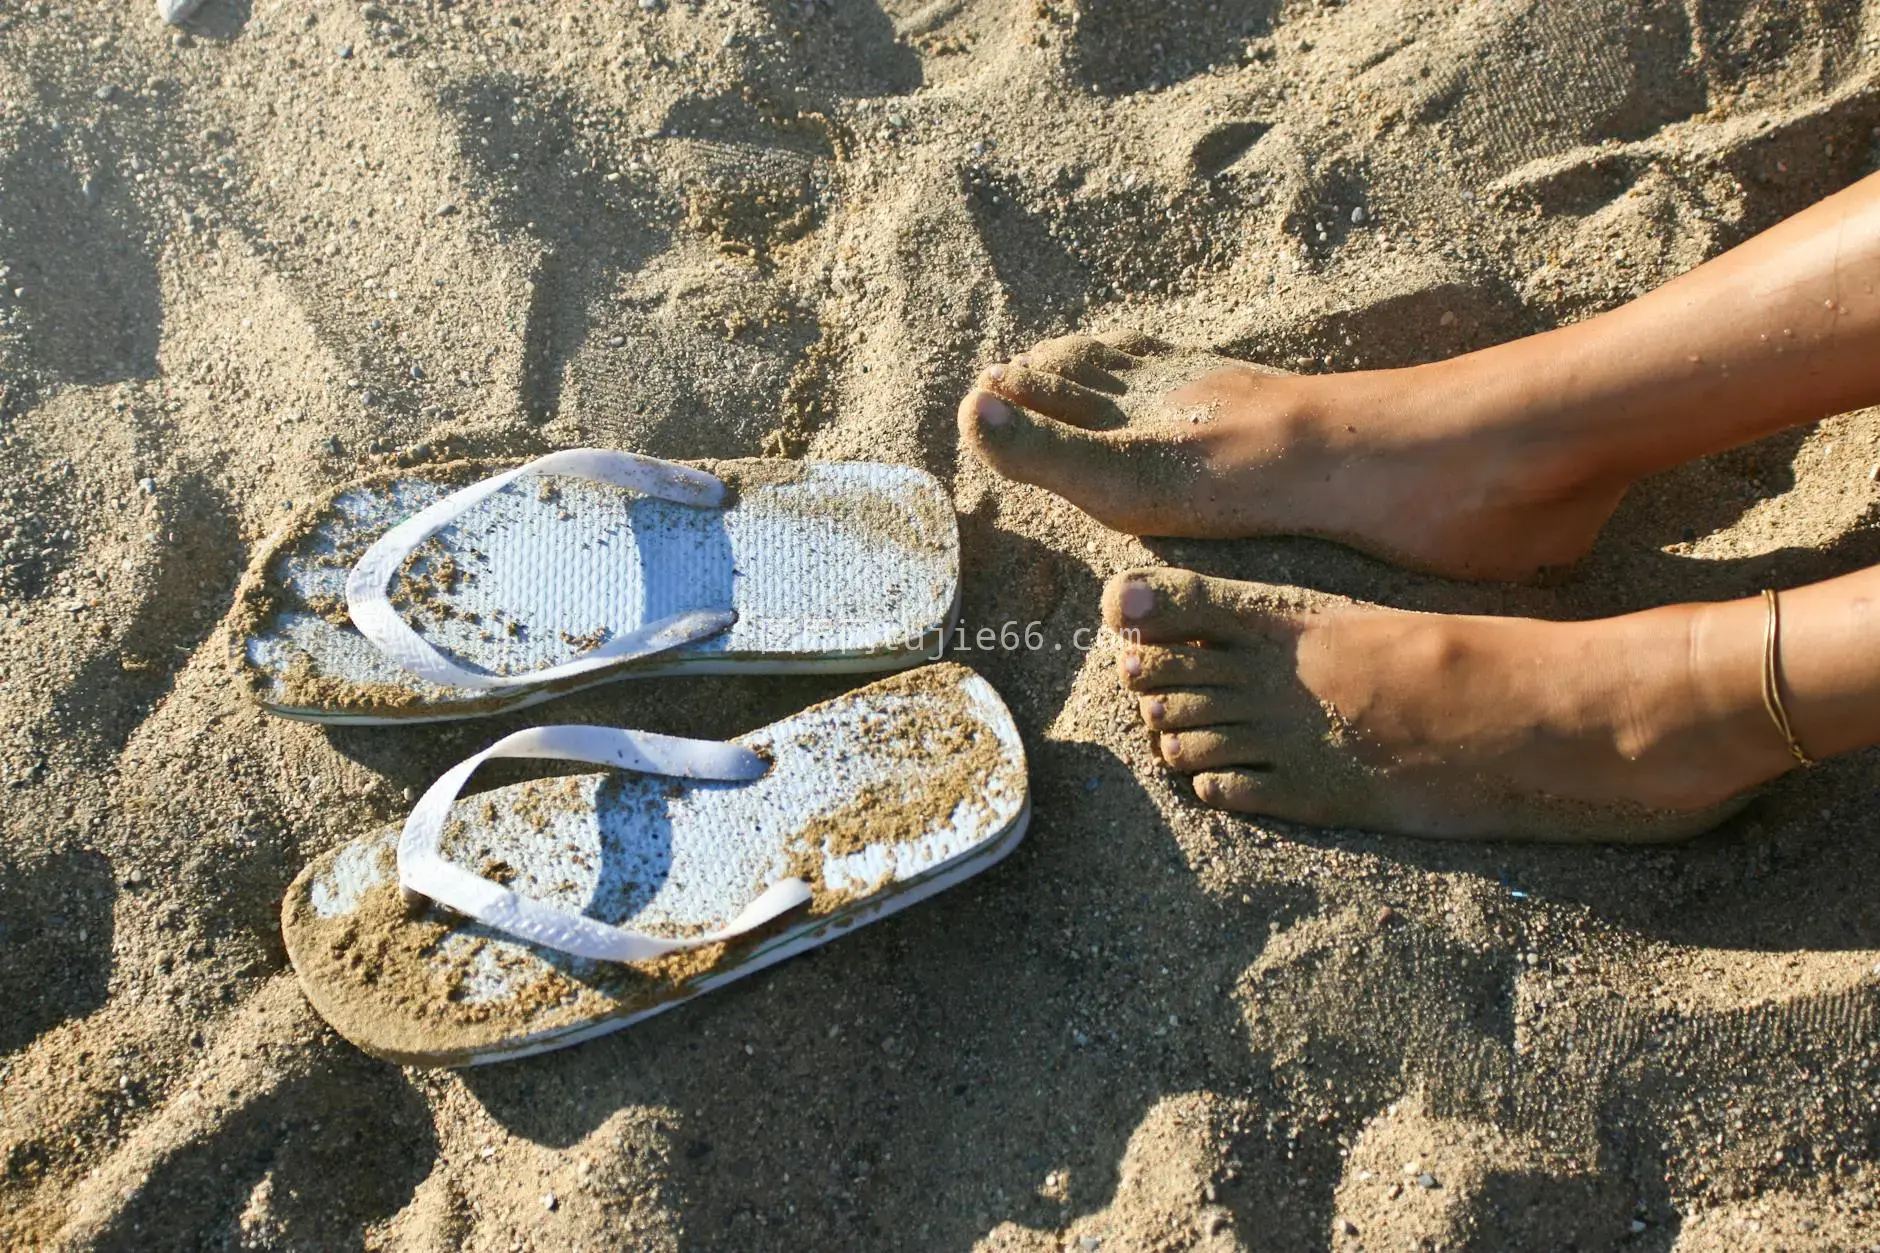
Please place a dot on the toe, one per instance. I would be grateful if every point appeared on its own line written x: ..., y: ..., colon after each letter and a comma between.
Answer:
x: 1175, y: 606
x: 1082, y: 359
x: 1151, y: 667
x: 1268, y: 793
x: 1180, y: 709
x: 1135, y: 343
x: 1053, y: 395
x: 1091, y: 469
x: 1213, y: 748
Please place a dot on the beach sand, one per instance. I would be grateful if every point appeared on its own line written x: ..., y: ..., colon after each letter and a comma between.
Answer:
x: 298, y: 242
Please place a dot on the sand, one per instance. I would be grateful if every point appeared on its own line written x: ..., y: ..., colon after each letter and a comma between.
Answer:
x: 302, y: 242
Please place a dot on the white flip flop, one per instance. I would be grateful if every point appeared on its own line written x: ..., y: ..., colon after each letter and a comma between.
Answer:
x: 438, y: 593
x: 535, y: 916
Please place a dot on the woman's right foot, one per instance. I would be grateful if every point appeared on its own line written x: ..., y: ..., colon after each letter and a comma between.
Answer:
x: 1409, y: 465
x: 1300, y: 705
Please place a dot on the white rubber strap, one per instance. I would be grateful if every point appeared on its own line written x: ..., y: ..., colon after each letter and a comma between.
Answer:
x: 422, y: 868
x: 372, y: 612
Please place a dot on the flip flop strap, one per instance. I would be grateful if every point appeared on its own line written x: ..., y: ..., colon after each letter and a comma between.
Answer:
x: 371, y: 609
x: 423, y: 869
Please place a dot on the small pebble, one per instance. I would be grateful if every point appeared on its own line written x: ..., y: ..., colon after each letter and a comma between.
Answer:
x: 105, y: 92
x: 1426, y: 1180
x: 1448, y: 318
x: 345, y: 52
x: 616, y: 341
x: 417, y: 372
x: 1638, y: 1226
x: 1089, y: 1244
x: 549, y: 1201
x: 447, y: 209
x: 1359, y: 217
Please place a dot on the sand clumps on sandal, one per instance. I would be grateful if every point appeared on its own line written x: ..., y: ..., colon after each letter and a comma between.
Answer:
x: 469, y: 588
x: 530, y: 917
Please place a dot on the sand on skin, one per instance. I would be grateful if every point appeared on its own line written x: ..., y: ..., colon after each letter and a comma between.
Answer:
x: 311, y: 242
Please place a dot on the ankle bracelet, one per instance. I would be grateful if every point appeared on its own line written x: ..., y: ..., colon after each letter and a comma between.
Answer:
x: 1771, y: 687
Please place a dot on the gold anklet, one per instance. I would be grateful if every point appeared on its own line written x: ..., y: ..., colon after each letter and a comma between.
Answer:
x: 1771, y: 689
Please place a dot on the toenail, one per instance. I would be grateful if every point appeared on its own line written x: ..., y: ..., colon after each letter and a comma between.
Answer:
x: 1132, y: 665
x: 992, y: 411
x: 1155, y: 710
x: 1208, y: 789
x: 1172, y: 745
x: 1022, y: 359
x: 995, y: 372
x: 1137, y: 599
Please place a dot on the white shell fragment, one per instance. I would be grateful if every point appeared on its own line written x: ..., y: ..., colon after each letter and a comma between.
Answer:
x: 176, y: 12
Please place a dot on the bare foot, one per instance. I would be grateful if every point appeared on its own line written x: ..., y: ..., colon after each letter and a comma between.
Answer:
x: 1326, y: 711
x: 1415, y: 466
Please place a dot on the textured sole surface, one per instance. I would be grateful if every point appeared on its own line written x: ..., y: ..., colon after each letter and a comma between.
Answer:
x: 830, y: 566
x: 880, y: 798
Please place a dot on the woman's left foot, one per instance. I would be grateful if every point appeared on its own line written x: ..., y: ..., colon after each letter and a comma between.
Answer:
x: 1422, y: 467
x: 1322, y: 710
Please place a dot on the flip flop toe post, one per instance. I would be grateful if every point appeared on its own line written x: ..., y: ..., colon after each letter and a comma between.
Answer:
x: 450, y: 591
x: 533, y: 916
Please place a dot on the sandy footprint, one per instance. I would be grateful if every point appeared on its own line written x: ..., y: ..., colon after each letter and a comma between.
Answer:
x: 1165, y: 1194
x: 282, y: 1101
x: 1414, y: 1179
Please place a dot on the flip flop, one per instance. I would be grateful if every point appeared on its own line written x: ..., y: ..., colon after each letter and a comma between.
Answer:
x: 436, y: 593
x: 535, y: 916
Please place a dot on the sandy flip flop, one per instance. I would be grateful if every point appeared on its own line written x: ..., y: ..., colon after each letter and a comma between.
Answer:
x: 571, y: 907
x: 438, y: 592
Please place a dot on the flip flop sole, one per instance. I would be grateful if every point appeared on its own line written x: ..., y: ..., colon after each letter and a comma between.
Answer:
x: 832, y: 567
x: 880, y: 798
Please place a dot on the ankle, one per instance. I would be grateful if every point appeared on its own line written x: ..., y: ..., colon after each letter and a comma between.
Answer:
x: 1536, y: 444
x: 1725, y: 651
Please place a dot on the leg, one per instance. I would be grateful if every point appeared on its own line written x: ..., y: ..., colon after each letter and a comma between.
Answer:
x: 1493, y: 465
x: 1649, y: 726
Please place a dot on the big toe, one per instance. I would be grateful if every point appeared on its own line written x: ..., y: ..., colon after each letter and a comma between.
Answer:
x: 1092, y: 469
